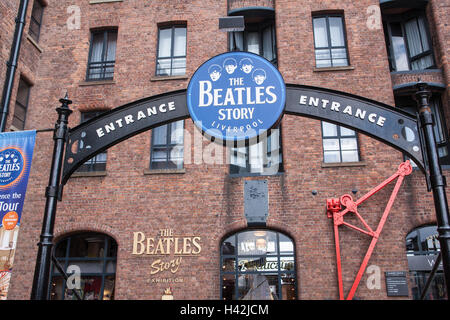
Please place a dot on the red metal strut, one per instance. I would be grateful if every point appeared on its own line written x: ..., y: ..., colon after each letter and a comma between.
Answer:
x: 334, y: 211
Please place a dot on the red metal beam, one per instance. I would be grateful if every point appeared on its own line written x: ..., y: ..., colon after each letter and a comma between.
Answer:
x: 334, y: 210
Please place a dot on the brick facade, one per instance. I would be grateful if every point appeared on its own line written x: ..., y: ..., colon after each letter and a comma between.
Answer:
x: 205, y: 200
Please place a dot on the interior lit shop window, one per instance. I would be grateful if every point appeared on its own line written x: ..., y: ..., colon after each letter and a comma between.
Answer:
x: 102, y: 55
x: 330, y: 42
x: 258, y: 264
x: 94, y: 255
x: 264, y: 157
x: 422, y: 248
x: 98, y: 162
x: 408, y: 41
x: 167, y: 146
x: 339, y: 144
x: 171, y: 59
x: 440, y: 129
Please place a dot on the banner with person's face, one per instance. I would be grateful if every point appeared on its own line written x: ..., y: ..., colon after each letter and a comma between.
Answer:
x: 16, y: 152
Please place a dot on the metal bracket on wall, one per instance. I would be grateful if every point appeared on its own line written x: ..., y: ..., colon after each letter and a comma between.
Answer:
x: 335, y: 212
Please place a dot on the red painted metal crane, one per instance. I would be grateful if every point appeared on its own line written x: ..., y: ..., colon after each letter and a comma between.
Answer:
x: 335, y: 212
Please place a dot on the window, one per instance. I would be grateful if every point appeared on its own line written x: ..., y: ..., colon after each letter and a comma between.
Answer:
x: 98, y: 162
x: 20, y: 110
x: 171, y: 59
x: 422, y: 248
x: 264, y: 157
x: 330, y: 43
x: 102, y: 55
x: 167, y: 146
x: 36, y: 20
x: 440, y: 129
x: 408, y: 43
x: 95, y: 255
x: 339, y: 144
x: 258, y: 38
x: 258, y: 265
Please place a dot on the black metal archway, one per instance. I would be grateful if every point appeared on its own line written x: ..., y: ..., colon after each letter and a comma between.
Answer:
x: 380, y: 121
x: 411, y: 136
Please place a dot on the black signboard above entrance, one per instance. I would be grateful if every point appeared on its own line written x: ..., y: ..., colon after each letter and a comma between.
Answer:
x: 424, y: 262
x: 382, y: 122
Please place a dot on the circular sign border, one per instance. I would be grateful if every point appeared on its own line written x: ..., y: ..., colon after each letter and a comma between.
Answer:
x: 236, y: 139
x: 24, y: 166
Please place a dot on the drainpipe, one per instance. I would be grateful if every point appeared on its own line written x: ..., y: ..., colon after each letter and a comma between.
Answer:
x: 12, y: 63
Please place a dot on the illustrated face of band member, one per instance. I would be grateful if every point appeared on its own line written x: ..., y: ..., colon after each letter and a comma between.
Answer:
x: 259, y: 75
x: 230, y: 65
x: 215, y: 71
x: 246, y: 65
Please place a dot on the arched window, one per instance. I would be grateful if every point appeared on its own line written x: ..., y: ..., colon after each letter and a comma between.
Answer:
x: 258, y: 264
x: 93, y: 256
x: 422, y: 249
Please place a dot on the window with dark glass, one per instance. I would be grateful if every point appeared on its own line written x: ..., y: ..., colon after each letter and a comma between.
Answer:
x: 98, y: 162
x: 330, y: 42
x: 94, y: 255
x: 171, y: 60
x: 102, y: 55
x: 339, y: 144
x: 36, y: 20
x: 258, y: 38
x: 20, y: 109
x: 440, y: 129
x: 408, y: 41
x: 167, y: 146
x: 264, y: 157
x: 422, y: 248
x: 258, y: 264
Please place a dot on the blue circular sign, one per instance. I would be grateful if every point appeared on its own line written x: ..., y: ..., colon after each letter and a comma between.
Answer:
x: 11, y: 165
x: 236, y: 96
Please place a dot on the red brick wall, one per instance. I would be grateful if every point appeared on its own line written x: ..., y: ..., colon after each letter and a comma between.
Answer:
x: 8, y: 12
x: 437, y: 14
x: 204, y: 200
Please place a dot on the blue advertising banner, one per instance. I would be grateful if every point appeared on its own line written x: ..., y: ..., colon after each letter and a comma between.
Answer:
x: 236, y: 96
x: 16, y: 152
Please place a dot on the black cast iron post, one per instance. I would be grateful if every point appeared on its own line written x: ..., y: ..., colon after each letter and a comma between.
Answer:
x: 436, y: 178
x: 437, y: 262
x: 44, y: 256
